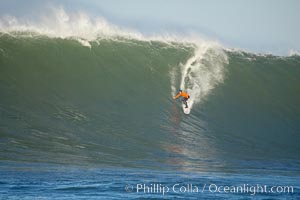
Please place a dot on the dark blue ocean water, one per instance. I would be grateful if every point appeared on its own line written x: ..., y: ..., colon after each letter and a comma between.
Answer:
x: 51, y: 181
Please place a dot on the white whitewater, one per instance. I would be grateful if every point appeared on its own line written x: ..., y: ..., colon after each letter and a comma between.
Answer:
x: 202, y: 72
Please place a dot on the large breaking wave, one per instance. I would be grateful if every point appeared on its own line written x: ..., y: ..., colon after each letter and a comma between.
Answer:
x: 78, y: 90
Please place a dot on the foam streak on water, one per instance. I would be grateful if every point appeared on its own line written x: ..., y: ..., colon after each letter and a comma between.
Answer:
x: 202, y: 72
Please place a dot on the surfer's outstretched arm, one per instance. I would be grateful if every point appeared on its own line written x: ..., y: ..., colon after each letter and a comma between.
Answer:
x: 178, y: 95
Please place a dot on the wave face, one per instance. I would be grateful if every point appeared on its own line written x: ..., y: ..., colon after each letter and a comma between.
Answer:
x: 111, y: 104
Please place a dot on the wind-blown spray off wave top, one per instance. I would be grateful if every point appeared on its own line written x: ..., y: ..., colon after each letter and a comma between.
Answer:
x: 103, y: 96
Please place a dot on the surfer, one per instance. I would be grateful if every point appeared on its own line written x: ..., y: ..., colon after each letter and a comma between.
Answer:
x: 184, y: 95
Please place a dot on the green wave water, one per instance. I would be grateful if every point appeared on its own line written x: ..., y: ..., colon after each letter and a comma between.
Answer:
x: 111, y: 105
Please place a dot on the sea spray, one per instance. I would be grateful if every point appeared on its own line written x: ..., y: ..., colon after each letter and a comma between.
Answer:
x: 202, y: 72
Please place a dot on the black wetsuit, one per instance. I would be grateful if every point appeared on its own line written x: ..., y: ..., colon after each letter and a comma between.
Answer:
x: 184, y: 100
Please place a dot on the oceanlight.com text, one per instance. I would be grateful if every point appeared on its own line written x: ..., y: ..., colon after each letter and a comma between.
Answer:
x: 164, y: 189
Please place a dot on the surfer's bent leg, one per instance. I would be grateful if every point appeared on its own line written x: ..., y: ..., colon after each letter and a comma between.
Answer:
x: 185, y: 102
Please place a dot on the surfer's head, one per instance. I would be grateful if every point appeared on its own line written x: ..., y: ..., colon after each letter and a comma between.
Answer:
x: 180, y: 91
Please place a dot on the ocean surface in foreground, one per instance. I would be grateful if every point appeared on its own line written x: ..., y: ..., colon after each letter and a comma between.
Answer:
x: 48, y: 181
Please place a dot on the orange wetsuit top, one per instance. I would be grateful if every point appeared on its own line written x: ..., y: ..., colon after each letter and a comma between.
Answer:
x: 183, y: 94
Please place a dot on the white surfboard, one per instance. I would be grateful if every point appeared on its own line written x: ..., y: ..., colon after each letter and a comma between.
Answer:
x: 186, y: 110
